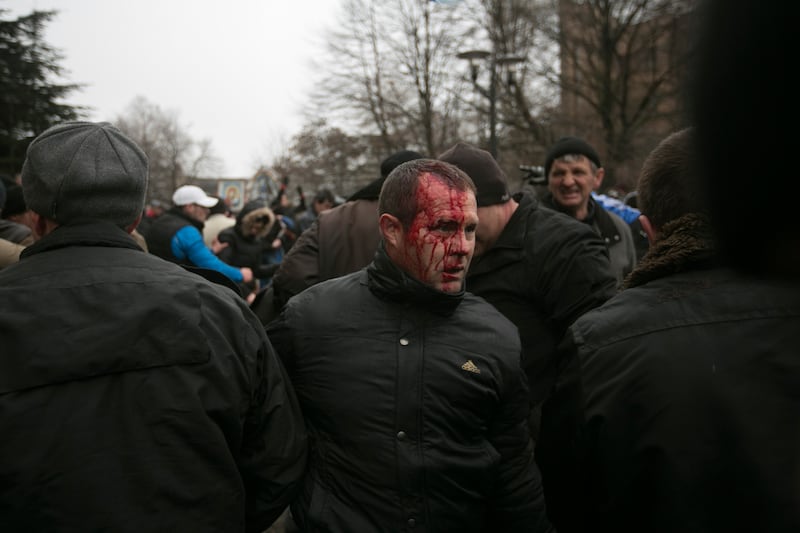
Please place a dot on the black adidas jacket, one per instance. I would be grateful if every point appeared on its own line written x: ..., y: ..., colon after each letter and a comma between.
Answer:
x: 416, y: 408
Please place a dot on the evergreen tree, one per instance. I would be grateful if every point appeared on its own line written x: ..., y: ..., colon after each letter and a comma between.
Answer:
x: 31, y: 98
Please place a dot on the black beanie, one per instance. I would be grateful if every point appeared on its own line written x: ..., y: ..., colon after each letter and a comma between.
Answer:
x: 569, y: 145
x: 489, y: 178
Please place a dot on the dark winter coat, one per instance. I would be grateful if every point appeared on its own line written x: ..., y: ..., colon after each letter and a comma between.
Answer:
x: 177, y: 237
x: 416, y: 408
x: 159, y: 234
x: 341, y: 240
x: 136, y: 396
x: 249, y: 239
x: 688, y: 384
x: 616, y: 233
x: 545, y: 270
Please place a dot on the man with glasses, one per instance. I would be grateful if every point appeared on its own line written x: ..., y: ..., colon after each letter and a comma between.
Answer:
x: 177, y: 235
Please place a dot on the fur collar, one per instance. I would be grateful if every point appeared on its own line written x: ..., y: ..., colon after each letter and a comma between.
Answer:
x: 686, y: 243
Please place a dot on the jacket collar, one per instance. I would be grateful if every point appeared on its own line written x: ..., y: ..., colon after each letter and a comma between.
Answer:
x: 509, y: 246
x: 178, y: 212
x: 388, y: 281
x: 597, y: 218
x: 686, y: 243
x: 83, y: 233
x: 601, y: 219
x: 513, y: 235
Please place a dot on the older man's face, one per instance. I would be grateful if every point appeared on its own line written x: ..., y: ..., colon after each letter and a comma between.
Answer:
x: 572, y: 183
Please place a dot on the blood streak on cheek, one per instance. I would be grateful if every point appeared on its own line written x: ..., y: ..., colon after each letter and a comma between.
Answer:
x: 424, y: 197
x: 430, y: 250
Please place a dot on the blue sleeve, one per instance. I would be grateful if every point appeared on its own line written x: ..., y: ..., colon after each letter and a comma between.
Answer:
x: 625, y: 212
x: 187, y: 244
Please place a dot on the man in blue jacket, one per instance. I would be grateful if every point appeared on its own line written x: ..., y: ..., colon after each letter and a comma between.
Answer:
x: 177, y: 235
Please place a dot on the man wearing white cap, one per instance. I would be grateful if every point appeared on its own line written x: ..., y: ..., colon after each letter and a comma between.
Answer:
x: 177, y: 235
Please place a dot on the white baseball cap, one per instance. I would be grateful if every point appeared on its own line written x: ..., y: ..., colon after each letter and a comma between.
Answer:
x: 191, y: 194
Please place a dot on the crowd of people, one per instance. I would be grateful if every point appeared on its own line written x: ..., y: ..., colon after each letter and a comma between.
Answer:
x: 436, y: 353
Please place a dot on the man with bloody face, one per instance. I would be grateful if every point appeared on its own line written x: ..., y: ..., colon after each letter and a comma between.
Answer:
x: 411, y: 387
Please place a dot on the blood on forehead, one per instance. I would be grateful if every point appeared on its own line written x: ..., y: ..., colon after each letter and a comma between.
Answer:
x: 436, y: 199
x: 432, y: 243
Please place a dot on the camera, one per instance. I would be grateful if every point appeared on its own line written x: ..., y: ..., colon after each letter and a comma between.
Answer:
x: 533, y: 174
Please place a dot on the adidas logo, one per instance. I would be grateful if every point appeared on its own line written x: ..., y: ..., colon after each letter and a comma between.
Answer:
x: 469, y: 366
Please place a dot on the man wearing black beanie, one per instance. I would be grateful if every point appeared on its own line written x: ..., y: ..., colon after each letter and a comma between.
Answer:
x: 542, y: 270
x: 573, y: 171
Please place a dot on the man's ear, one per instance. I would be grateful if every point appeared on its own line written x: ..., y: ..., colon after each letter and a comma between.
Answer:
x: 598, y: 179
x: 41, y: 225
x: 134, y: 224
x: 648, y: 228
x: 391, y: 230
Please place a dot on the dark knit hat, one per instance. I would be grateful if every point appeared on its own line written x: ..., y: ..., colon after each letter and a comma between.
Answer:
x: 569, y: 145
x: 489, y: 178
x: 85, y: 170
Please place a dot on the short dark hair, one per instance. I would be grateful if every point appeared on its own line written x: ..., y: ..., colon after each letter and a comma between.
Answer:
x: 221, y: 207
x: 325, y: 195
x: 399, y: 192
x: 669, y: 182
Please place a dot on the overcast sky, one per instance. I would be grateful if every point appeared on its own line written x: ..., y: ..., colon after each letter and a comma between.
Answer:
x: 236, y: 72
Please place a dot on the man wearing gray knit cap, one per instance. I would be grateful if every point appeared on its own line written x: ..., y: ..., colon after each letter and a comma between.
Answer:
x: 147, y: 398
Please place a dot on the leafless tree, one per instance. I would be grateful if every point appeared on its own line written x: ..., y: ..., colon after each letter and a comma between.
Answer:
x: 174, y: 156
x: 622, y: 63
x: 388, y: 72
x: 507, y: 33
x: 326, y: 156
x: 607, y: 70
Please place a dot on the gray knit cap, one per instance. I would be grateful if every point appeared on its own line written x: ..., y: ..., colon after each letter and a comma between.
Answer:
x: 85, y: 170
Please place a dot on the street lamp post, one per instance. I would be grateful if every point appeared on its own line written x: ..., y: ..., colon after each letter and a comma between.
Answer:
x: 496, y: 62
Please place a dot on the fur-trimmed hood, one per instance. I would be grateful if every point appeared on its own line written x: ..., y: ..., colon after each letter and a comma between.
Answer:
x: 262, y: 218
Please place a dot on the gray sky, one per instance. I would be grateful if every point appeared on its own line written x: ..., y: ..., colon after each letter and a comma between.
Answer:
x: 236, y: 72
